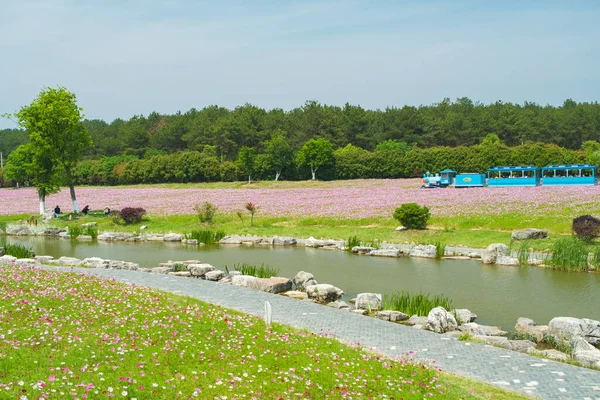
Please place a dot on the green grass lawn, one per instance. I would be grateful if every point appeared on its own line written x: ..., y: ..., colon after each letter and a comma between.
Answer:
x: 67, y: 336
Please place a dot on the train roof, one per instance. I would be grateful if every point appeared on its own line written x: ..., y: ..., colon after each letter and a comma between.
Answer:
x: 570, y: 166
x: 518, y: 168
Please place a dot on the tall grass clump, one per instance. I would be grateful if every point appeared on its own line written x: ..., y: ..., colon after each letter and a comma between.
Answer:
x: 17, y: 250
x: 91, y: 231
x: 262, y: 271
x: 206, y: 236
x: 353, y: 241
x: 3, y: 225
x: 523, y: 253
x: 75, y: 230
x: 440, y: 249
x: 596, y: 257
x: 415, y: 304
x: 569, y: 254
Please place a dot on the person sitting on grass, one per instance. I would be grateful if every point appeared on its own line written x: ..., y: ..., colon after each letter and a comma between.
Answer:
x: 106, y: 211
x: 56, y: 211
x: 85, y: 210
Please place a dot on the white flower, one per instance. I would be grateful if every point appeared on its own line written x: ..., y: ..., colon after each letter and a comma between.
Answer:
x: 124, y: 392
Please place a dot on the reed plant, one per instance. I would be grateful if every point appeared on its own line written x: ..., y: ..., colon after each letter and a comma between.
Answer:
x: 569, y: 254
x: 353, y: 241
x: 440, y: 249
x: 75, y: 230
x: 415, y: 304
x: 262, y: 271
x: 596, y: 257
x: 3, y: 225
x: 17, y: 250
x: 523, y: 254
x: 206, y: 236
x: 91, y: 231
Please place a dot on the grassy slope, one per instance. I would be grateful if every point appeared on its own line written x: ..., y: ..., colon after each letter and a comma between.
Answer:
x: 75, y: 336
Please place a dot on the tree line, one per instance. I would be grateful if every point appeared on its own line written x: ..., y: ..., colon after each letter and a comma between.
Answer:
x: 447, y: 123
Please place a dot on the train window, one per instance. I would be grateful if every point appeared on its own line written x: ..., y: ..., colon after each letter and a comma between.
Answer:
x: 574, y: 173
x: 493, y: 175
x: 561, y: 173
x: 528, y: 174
x: 548, y: 173
x: 505, y: 174
x: 586, y: 172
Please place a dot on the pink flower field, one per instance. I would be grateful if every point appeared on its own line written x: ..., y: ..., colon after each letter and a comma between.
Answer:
x: 346, y: 199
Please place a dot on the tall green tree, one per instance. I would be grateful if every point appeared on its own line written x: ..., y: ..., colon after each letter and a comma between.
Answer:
x: 36, y: 168
x: 280, y: 154
x: 247, y: 160
x: 314, y: 154
x: 54, y: 122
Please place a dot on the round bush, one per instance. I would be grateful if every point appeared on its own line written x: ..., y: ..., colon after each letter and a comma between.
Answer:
x: 586, y: 227
x: 411, y: 216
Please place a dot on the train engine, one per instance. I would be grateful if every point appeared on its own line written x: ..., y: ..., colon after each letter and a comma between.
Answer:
x: 441, y: 180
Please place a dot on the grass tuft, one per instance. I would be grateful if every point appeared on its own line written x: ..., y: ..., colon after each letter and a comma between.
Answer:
x: 415, y: 304
x: 569, y: 254
x: 17, y: 250
x: 353, y: 241
x: 262, y: 271
x: 206, y: 236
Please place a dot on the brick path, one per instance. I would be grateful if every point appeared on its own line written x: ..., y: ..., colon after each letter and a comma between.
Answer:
x: 504, y: 368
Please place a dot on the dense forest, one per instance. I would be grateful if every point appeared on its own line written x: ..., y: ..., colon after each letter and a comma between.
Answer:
x: 226, y: 142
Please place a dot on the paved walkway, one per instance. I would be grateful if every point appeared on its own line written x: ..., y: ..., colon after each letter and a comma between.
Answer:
x: 504, y: 368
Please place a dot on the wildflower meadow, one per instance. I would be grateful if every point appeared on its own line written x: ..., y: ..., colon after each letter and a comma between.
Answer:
x: 73, y: 336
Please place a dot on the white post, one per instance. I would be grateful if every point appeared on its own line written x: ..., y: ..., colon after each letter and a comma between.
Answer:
x: 268, y: 314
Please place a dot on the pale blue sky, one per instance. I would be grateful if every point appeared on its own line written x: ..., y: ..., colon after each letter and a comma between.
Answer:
x: 132, y: 57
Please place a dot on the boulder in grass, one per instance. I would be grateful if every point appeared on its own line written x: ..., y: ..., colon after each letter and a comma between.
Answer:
x: 584, y: 353
x: 567, y: 328
x: 424, y: 251
x: 464, y: 316
x: 284, y: 241
x: 270, y: 285
x: 215, y: 275
x: 529, y: 327
x: 173, y: 237
x: 391, y: 315
x: 416, y: 320
x: 530, y: 234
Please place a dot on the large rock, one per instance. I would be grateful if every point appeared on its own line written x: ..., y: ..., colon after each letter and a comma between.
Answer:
x: 284, y: 241
x: 215, y: 275
x: 567, y: 328
x: 530, y: 234
x: 200, y: 270
x: 89, y: 224
x: 474, y: 329
x: 304, y: 279
x: 362, y: 249
x: 492, y: 252
x: 172, y: 237
x: 71, y: 261
x: 386, y: 253
x: 24, y: 261
x: 18, y: 230
x: 161, y: 270
x: 53, y: 231
x: 584, y: 353
x: 7, y: 259
x: 440, y: 321
x: 529, y: 327
x: 324, y: 293
x: 464, y: 316
x: 107, y: 237
x: 391, y: 315
x: 425, y: 251
x: 498, y: 341
x: 368, y: 301
x: 506, y: 260
x: 85, y: 238
x: 523, y: 346
x: 230, y: 240
x: 340, y: 305
x: 416, y: 320
x: 97, y: 262
x: 43, y: 259
x: 295, y: 294
x: 271, y: 285
x: 555, y: 355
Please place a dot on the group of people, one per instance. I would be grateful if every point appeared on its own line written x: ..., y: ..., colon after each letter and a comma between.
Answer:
x: 84, y: 211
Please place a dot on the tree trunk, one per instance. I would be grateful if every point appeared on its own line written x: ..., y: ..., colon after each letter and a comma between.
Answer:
x: 277, y: 175
x: 249, y: 179
x: 313, y: 171
x: 42, y: 197
x: 74, y: 199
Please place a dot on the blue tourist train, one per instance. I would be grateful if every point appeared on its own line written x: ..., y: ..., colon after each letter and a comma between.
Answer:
x: 551, y: 175
x: 574, y: 174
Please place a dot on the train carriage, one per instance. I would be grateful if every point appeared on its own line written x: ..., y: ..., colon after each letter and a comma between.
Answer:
x: 514, y: 176
x: 566, y: 175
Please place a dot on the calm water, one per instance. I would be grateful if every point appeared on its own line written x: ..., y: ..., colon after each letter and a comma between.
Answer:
x: 498, y: 295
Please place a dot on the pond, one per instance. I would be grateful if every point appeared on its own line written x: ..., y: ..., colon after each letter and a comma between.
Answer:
x: 498, y: 295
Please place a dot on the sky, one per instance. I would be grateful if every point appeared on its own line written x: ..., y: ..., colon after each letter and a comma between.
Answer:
x: 127, y: 57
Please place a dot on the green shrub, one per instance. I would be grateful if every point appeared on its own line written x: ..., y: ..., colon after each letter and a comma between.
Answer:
x: 523, y: 254
x: 75, y: 230
x: 411, y: 216
x: 206, y: 212
x: 18, y: 250
x: 415, y: 304
x: 178, y: 267
x: 264, y: 271
x: 569, y: 254
x: 91, y: 231
x: 206, y: 236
